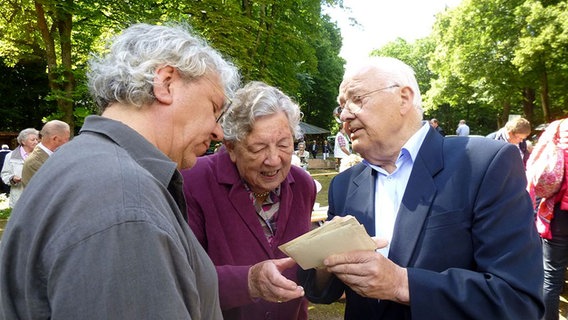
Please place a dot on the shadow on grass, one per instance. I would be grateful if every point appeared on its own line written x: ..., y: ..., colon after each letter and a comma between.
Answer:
x: 332, y: 311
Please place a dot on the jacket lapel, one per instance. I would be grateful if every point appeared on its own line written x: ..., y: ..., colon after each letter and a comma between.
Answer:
x: 361, y: 198
x: 418, y: 197
x: 285, y: 210
x: 227, y: 173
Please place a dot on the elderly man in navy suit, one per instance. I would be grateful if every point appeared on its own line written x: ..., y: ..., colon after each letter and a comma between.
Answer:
x: 454, y: 225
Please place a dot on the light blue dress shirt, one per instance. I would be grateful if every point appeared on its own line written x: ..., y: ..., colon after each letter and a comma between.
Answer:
x: 390, y: 188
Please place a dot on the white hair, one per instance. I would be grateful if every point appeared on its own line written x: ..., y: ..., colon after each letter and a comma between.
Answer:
x: 396, y: 71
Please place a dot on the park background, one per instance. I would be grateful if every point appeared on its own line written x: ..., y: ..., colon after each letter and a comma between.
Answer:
x: 482, y: 60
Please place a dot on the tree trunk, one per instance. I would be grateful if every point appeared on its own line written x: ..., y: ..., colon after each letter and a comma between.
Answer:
x: 61, y: 78
x: 49, y: 45
x: 65, y: 103
x: 505, y: 115
x: 529, y: 96
x: 545, y: 99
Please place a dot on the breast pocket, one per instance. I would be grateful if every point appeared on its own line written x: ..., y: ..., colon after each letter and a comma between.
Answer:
x: 446, y: 241
x: 448, y: 219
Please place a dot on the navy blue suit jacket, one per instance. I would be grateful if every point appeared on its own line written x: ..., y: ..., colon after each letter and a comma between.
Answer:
x: 465, y: 232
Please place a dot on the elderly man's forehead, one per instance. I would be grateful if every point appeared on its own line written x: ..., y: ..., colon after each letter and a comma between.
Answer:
x: 361, y: 76
x: 354, y: 85
x: 355, y: 79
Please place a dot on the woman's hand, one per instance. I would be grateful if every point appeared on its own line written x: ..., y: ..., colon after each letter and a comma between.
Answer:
x: 265, y: 281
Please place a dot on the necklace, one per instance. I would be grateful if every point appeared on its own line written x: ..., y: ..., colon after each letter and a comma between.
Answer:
x: 261, y: 194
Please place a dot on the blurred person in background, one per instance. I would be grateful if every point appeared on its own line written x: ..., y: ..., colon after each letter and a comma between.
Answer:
x: 434, y: 122
x: 515, y: 132
x: 54, y: 134
x: 552, y: 215
x: 303, y: 154
x: 325, y: 149
x: 463, y: 129
x: 314, y: 149
x: 14, y: 163
x: 341, y: 148
x: 4, y: 188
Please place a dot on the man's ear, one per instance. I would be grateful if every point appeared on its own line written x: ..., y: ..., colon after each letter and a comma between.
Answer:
x: 162, y: 84
x: 407, y: 97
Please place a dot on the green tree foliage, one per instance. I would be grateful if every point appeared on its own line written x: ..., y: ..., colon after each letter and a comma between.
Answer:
x: 284, y: 43
x: 288, y: 44
x: 60, y: 33
x: 498, y: 56
x: 543, y: 51
x: 319, y: 92
x: 24, y: 87
x: 474, y: 53
x: 416, y: 55
x: 487, y: 59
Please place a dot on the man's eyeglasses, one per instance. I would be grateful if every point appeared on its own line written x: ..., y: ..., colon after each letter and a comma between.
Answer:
x: 226, y: 107
x: 355, y: 104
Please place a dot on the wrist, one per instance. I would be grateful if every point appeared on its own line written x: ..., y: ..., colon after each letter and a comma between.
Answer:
x: 253, y: 292
x: 402, y: 294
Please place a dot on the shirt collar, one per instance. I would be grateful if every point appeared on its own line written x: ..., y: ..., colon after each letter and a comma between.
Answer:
x: 23, y: 152
x: 44, y: 148
x: 410, y: 148
x: 140, y: 149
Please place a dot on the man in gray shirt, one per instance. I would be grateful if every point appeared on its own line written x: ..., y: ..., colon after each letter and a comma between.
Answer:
x: 99, y: 233
x: 463, y: 129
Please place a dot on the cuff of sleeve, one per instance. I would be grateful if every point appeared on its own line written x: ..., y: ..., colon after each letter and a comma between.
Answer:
x: 233, y: 286
x: 331, y: 293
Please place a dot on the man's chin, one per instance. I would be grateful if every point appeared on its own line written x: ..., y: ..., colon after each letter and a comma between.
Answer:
x: 189, y: 162
x: 355, y: 146
x: 201, y: 149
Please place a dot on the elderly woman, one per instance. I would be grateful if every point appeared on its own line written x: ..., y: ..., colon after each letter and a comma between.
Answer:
x: 14, y: 162
x: 303, y: 155
x: 247, y: 199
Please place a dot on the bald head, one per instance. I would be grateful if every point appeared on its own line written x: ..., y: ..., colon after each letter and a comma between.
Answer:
x: 385, y: 69
x: 54, y: 134
x: 381, y: 108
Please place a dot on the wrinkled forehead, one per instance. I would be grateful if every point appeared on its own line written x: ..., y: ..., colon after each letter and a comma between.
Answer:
x: 355, y: 82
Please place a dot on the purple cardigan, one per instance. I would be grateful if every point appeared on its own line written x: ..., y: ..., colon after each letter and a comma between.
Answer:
x: 225, y: 222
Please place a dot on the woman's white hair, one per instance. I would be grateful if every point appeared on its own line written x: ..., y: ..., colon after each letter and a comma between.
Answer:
x: 255, y: 100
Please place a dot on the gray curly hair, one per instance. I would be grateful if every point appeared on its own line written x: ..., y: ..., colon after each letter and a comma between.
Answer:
x: 255, y: 100
x: 125, y: 73
x: 23, y: 135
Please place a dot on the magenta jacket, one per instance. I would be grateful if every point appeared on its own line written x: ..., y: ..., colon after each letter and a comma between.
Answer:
x: 225, y: 222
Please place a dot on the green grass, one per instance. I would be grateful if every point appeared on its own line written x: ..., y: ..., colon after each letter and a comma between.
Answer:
x: 324, y: 177
x: 332, y: 311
